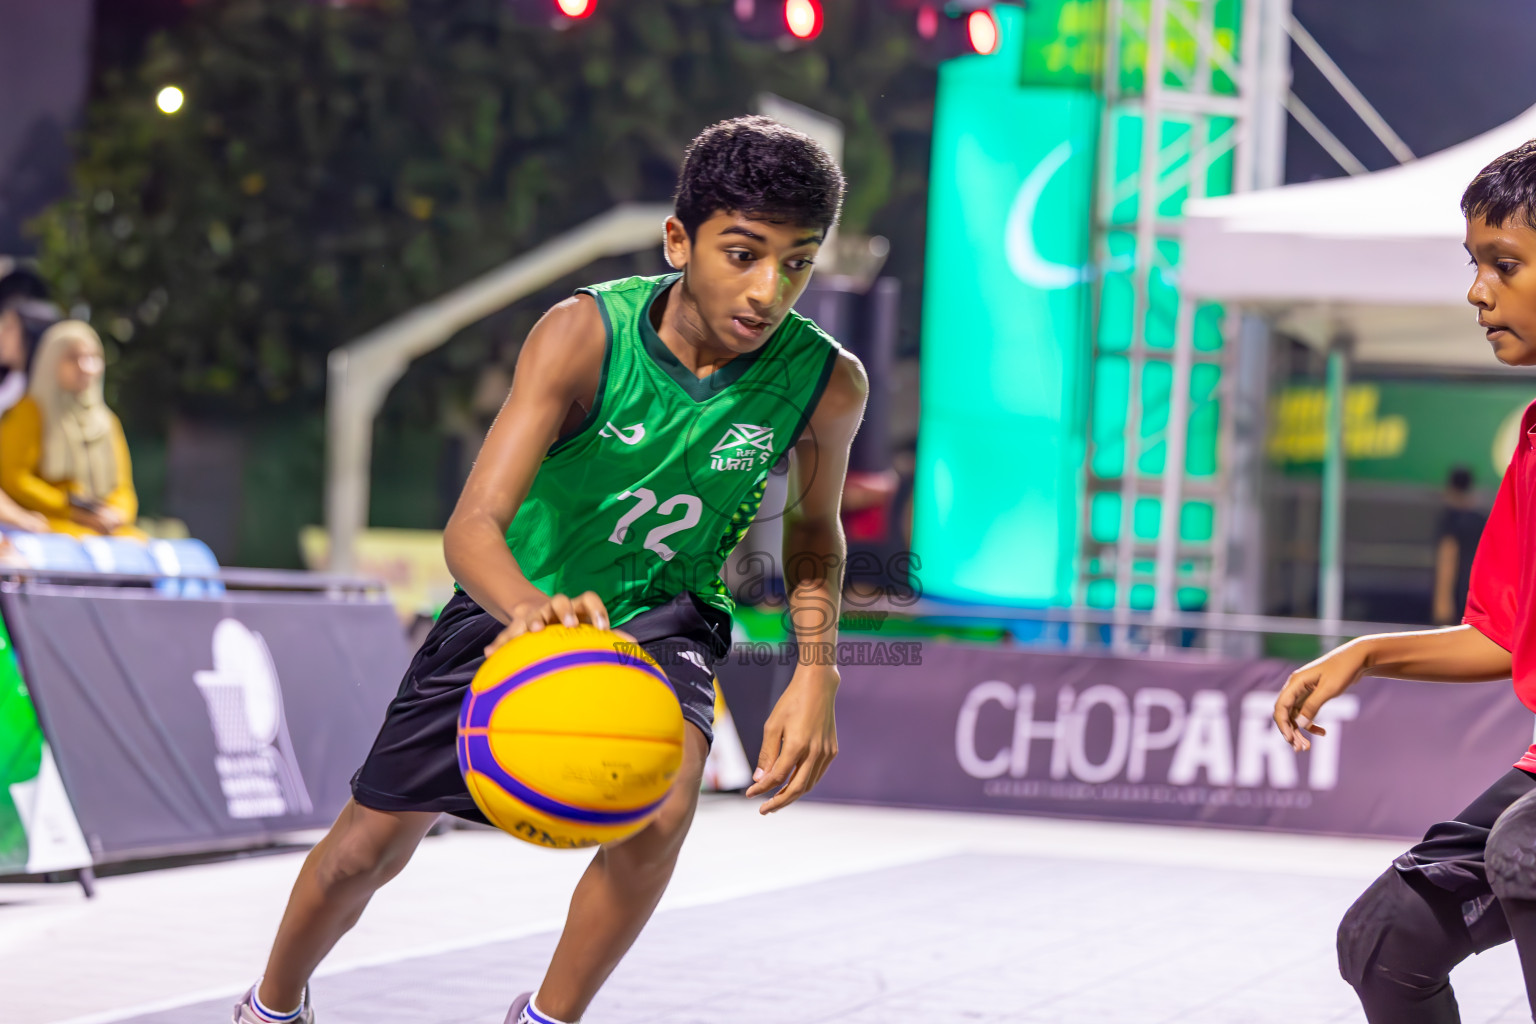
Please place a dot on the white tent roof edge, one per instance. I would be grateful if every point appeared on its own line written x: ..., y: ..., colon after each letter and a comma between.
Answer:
x: 1378, y: 255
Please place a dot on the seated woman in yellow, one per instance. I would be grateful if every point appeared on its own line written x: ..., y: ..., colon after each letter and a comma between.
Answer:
x: 62, y: 451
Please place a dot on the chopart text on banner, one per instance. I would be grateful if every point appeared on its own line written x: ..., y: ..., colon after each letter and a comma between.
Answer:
x: 1172, y: 739
x: 1208, y: 746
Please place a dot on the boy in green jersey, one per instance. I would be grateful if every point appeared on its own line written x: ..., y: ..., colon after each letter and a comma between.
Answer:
x: 627, y: 462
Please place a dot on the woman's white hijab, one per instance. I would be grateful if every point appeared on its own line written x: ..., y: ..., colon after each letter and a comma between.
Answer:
x: 77, y: 428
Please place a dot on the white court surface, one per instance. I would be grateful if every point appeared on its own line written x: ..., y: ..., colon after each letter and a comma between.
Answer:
x: 820, y: 913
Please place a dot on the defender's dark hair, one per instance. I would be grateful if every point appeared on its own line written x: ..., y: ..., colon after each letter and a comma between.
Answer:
x: 1459, y: 479
x: 757, y: 166
x: 1505, y: 189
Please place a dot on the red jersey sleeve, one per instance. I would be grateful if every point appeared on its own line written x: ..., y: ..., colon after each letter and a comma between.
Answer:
x: 1493, y: 597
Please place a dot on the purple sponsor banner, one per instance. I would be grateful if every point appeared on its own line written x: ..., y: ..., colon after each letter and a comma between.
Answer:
x: 1160, y: 740
x: 182, y: 725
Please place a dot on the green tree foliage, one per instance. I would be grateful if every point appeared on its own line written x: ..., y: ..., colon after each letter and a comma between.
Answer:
x: 336, y: 165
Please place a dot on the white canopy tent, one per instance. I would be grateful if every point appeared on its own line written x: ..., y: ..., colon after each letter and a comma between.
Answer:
x: 1377, y: 256
x: 1369, y: 267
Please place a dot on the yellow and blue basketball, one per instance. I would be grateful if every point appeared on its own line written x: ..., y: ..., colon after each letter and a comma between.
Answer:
x: 570, y: 737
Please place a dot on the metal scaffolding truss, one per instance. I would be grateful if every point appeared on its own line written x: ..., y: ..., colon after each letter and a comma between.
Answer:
x: 1217, y: 94
x: 1229, y: 92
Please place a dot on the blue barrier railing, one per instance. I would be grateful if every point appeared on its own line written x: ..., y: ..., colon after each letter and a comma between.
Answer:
x: 185, y: 568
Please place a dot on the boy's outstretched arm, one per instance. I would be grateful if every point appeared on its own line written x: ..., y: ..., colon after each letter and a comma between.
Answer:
x: 800, y: 737
x: 558, y: 366
x: 1458, y: 654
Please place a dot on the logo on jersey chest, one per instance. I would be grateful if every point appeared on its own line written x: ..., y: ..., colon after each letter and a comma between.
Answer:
x: 631, y: 435
x: 744, y: 446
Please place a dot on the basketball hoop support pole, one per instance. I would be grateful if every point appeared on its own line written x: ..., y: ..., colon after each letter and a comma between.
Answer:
x: 360, y: 373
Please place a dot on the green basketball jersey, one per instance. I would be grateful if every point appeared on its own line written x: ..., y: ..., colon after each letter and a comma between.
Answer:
x: 662, y: 478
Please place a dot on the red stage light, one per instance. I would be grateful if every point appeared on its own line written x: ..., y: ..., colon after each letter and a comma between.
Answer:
x: 982, y: 29
x: 927, y: 22
x: 576, y: 8
x: 803, y: 18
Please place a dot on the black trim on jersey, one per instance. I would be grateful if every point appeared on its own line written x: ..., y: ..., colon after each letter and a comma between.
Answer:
x: 821, y: 386
x: 700, y: 389
x: 602, y: 379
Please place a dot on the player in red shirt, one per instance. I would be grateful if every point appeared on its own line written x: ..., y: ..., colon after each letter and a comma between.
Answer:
x: 1471, y: 883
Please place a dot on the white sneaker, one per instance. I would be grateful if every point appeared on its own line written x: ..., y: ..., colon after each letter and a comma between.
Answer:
x: 245, y: 1013
x: 518, y: 1006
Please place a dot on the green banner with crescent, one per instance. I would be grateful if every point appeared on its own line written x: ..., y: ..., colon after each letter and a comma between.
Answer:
x: 1005, y: 321
x: 1012, y: 390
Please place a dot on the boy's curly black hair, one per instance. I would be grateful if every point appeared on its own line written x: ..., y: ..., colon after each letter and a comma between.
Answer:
x: 1505, y: 189
x: 757, y: 166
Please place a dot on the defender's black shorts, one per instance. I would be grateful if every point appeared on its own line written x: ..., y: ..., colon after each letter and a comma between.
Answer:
x: 414, y: 765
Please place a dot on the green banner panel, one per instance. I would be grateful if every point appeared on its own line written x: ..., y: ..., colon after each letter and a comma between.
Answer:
x: 1404, y: 431
x: 38, y: 828
x: 1064, y: 42
x: 21, y: 754
x: 1005, y: 319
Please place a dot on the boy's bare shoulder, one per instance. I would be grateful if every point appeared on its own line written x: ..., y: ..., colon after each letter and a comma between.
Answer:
x: 568, y: 342
x: 847, y: 387
x: 574, y: 321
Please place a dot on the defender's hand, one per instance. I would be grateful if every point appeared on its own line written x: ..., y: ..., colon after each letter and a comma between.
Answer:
x: 556, y: 611
x: 1312, y: 686
x: 800, y: 739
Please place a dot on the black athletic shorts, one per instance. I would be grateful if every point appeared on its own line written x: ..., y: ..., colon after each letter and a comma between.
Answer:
x: 1451, y: 856
x: 414, y: 765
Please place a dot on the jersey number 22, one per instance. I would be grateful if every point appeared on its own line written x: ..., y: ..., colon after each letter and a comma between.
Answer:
x: 645, y: 500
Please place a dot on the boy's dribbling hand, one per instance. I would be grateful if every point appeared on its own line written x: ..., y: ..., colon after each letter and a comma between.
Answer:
x: 559, y: 610
x: 799, y: 739
x: 1312, y: 686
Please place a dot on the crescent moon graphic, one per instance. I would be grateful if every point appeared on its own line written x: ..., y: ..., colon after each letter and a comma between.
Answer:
x: 1024, y: 258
